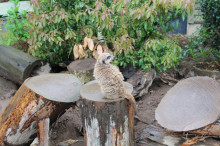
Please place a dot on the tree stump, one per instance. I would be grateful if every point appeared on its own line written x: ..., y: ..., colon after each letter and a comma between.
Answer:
x: 141, y: 81
x: 82, y: 69
x: 106, y: 122
x: 16, y: 65
x: 38, y: 102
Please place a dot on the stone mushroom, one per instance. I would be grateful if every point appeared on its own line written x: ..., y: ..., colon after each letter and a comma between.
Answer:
x: 191, y: 105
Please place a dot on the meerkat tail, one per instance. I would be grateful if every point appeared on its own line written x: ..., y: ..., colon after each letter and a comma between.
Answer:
x: 131, y: 99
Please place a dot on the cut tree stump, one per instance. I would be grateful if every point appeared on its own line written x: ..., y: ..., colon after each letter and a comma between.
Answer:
x: 141, y: 81
x: 16, y: 65
x: 82, y: 69
x: 39, y: 101
x: 106, y: 122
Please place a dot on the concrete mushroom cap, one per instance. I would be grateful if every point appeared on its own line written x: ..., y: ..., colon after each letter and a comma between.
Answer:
x: 56, y: 87
x: 191, y: 104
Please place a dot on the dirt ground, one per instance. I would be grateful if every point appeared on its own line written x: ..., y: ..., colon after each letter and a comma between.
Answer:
x: 7, y: 90
x: 147, y: 106
x: 69, y: 126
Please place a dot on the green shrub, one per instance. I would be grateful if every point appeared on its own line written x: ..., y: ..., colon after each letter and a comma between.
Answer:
x: 156, y: 53
x: 57, y: 26
x: 160, y: 54
x: 127, y: 26
x: 195, y: 48
x: 211, y: 24
x: 137, y: 30
x: 17, y: 24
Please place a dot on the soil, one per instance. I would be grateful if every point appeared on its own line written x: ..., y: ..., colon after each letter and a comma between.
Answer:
x: 148, y: 104
x: 7, y: 90
x: 69, y: 125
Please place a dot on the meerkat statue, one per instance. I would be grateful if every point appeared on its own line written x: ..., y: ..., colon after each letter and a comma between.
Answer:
x: 111, y: 79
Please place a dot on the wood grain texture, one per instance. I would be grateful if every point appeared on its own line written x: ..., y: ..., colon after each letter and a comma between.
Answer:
x: 18, y: 122
x: 191, y: 104
x: 106, y: 122
x: 16, y: 65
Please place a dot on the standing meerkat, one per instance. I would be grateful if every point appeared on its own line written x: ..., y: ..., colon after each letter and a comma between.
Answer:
x: 111, y: 79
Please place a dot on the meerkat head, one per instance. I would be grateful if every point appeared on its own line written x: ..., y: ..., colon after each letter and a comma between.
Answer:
x: 105, y: 58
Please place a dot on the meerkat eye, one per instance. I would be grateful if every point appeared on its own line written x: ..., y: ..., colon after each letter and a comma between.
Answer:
x: 108, y: 57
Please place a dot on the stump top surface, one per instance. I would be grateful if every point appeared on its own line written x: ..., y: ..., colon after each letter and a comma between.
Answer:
x: 191, y: 104
x: 80, y: 65
x: 56, y: 87
x: 92, y: 91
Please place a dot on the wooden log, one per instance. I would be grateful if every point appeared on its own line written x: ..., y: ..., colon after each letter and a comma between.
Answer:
x: 141, y: 81
x: 106, y: 122
x: 39, y: 98
x: 43, y: 128
x: 16, y: 65
x: 209, y: 130
x: 82, y: 69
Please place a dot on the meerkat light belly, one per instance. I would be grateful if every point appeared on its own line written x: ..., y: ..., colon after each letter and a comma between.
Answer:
x: 111, y: 79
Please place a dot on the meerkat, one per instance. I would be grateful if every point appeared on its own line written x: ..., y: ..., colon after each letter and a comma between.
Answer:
x: 111, y: 79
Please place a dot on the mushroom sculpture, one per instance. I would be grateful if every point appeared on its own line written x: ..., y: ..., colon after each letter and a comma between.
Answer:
x: 192, y: 105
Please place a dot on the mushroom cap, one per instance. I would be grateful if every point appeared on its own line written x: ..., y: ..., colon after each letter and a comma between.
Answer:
x: 191, y: 104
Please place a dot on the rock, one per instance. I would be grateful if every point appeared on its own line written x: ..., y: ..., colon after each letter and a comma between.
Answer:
x: 141, y: 82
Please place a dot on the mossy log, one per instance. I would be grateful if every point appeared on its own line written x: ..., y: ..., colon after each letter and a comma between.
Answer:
x: 82, y: 69
x: 38, y: 102
x: 16, y: 65
x: 106, y: 122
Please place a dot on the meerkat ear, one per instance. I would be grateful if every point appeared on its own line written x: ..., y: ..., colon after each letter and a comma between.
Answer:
x: 103, y: 61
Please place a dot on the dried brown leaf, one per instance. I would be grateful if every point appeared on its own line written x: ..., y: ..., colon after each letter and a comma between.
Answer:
x: 81, y: 52
x: 90, y: 44
x: 99, y: 49
x: 85, y: 40
x: 95, y: 54
x: 76, y: 52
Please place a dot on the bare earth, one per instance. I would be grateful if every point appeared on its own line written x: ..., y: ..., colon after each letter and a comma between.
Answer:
x: 69, y: 125
x: 7, y: 90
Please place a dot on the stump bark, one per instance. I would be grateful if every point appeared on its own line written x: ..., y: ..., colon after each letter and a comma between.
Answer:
x: 16, y: 65
x: 106, y: 122
x: 82, y: 69
x: 141, y: 81
x: 38, y: 102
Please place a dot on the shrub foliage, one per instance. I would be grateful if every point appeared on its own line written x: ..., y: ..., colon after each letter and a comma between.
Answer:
x: 211, y: 24
x: 57, y: 26
x: 17, y: 24
x: 135, y: 30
